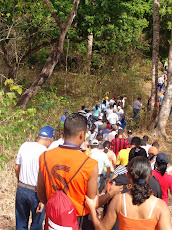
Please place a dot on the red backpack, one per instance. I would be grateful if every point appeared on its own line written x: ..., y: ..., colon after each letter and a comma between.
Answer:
x: 60, y: 211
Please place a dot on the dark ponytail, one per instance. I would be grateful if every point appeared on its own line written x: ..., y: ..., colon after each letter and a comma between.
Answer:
x: 97, y: 107
x: 139, y: 169
x: 106, y: 146
x: 162, y: 168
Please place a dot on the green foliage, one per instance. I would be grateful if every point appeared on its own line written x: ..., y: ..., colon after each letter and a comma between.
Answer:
x: 3, y: 160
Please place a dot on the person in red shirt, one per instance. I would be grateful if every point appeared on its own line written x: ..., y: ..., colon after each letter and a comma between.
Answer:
x: 164, y: 179
x: 119, y: 143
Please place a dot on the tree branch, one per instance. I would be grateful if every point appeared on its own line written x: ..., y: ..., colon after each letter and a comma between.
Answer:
x: 53, y: 14
x: 71, y: 15
x: 37, y: 48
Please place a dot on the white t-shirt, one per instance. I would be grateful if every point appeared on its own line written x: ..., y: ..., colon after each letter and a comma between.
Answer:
x: 56, y: 144
x: 108, y: 112
x: 101, y: 158
x: 111, y: 136
x: 161, y: 80
x: 28, y: 159
x: 112, y: 118
x: 119, y: 113
x: 146, y: 147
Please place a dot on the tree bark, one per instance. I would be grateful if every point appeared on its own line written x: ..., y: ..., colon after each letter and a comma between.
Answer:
x: 89, y: 52
x: 155, y: 57
x: 53, y: 58
x: 159, y: 130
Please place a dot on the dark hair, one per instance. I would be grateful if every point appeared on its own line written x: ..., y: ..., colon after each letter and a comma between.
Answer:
x: 143, y: 142
x: 74, y: 124
x: 135, y: 141
x: 155, y: 144
x: 83, y: 107
x: 151, y: 156
x: 137, y: 152
x: 93, y: 128
x: 162, y: 167
x: 146, y: 138
x: 123, y: 120
x: 106, y: 146
x: 139, y: 169
x: 99, y: 137
x: 97, y: 107
x: 120, y: 132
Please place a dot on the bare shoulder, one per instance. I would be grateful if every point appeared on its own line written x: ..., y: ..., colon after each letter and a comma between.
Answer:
x: 162, y: 208
x: 116, y: 202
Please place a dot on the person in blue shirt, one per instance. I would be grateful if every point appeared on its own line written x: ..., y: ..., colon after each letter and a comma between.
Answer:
x: 123, y: 122
x: 63, y: 117
x: 96, y: 113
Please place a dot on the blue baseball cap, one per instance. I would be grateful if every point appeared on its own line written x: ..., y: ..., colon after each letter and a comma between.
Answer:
x: 162, y: 158
x: 66, y: 111
x: 47, y: 131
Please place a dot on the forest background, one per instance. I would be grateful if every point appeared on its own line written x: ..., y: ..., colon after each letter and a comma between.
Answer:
x: 107, y: 51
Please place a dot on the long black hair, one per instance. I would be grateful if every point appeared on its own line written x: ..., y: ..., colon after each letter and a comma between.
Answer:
x: 139, y: 170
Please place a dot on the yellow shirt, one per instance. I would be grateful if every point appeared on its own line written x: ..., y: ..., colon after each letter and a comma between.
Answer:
x: 122, y: 158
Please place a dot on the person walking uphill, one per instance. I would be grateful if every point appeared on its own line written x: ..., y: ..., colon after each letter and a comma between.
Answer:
x: 136, y: 107
x: 27, y: 168
x: 63, y: 162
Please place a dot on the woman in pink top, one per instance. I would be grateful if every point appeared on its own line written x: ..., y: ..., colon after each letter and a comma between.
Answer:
x: 136, y: 209
x: 164, y: 179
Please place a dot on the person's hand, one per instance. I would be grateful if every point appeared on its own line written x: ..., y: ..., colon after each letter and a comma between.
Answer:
x: 107, y: 181
x: 91, y: 204
x: 40, y: 208
x: 115, y: 189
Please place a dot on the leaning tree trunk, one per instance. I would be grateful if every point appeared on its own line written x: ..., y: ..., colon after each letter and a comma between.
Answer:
x: 54, y: 56
x: 155, y: 57
x: 45, y: 73
x: 159, y: 130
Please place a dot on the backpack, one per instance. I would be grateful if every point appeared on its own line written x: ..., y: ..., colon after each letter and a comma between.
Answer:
x: 60, y: 211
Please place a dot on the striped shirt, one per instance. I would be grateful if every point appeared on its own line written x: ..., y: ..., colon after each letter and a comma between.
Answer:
x: 119, y: 143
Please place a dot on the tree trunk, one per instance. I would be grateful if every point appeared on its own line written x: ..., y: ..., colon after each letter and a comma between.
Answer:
x: 155, y: 57
x: 159, y: 130
x: 45, y: 73
x: 12, y: 71
x: 89, y: 52
x: 54, y: 56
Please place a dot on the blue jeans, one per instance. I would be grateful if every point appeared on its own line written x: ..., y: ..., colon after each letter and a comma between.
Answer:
x: 160, y: 87
x: 26, y: 201
x: 136, y: 112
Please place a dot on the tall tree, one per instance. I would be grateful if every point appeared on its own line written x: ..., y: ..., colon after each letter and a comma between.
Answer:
x: 53, y: 59
x: 160, y: 125
x: 155, y: 58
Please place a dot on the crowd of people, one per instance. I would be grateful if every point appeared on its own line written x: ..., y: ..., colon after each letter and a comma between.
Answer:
x: 97, y: 163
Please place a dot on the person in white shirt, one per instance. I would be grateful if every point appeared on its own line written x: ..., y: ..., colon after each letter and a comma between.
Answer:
x: 103, y: 161
x: 112, y: 135
x: 27, y: 168
x: 136, y: 107
x: 56, y: 144
x: 119, y: 112
x: 113, y: 118
x: 160, y: 82
x: 109, y: 111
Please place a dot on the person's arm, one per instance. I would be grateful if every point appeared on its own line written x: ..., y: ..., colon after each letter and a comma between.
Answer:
x: 92, y: 183
x: 108, y: 172
x: 17, y: 171
x: 41, y: 191
x: 114, y: 190
x: 40, y: 207
x: 110, y: 218
x: 164, y: 217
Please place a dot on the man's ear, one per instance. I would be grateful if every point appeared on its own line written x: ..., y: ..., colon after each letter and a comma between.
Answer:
x: 128, y: 176
x: 82, y: 136
x: 150, y: 176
